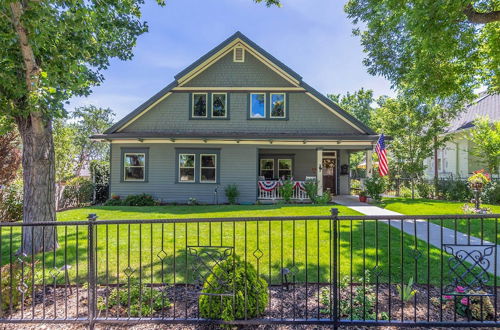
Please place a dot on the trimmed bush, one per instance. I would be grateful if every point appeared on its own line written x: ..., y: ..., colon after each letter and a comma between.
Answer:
x: 250, y: 290
x: 425, y: 190
x: 139, y: 200
x: 454, y: 190
x: 311, y: 187
x: 11, y: 278
x: 11, y: 203
x: 232, y: 193
x: 77, y: 192
x: 375, y: 187
x: 286, y: 191
x: 114, y: 201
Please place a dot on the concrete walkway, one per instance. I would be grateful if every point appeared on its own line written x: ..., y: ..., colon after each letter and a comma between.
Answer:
x: 469, y: 248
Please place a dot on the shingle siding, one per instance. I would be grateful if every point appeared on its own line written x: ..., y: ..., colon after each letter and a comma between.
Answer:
x: 305, y: 114
x: 251, y: 73
x: 238, y: 164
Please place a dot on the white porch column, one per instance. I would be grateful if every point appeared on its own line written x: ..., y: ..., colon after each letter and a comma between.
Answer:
x: 369, y: 163
x: 319, y: 171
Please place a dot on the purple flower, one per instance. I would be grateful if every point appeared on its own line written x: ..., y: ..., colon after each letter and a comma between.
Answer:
x: 465, y: 301
x: 460, y: 289
x: 448, y: 297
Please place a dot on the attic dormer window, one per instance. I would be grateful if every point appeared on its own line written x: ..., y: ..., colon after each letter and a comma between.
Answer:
x: 239, y: 54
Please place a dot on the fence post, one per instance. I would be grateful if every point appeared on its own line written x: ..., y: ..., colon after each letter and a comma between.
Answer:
x: 335, y: 293
x: 92, y: 292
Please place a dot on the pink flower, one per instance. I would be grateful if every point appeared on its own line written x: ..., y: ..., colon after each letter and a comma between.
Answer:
x: 464, y: 301
x: 460, y: 289
x: 448, y: 297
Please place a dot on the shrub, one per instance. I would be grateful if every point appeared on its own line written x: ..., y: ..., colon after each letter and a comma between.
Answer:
x: 425, y: 190
x: 286, y: 190
x: 144, y: 301
x: 77, y: 192
x: 325, y: 198
x: 405, y: 192
x: 11, y: 202
x: 250, y: 292
x: 454, y: 190
x: 232, y: 193
x: 100, y: 175
x: 375, y: 187
x: 139, y: 200
x: 12, y: 275
x: 491, y: 193
x: 311, y: 187
x: 114, y: 201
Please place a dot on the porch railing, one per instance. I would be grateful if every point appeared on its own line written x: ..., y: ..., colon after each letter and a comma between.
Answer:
x: 330, y: 270
x: 269, y: 190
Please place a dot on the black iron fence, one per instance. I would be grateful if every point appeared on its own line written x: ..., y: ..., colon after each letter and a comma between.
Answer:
x: 332, y: 270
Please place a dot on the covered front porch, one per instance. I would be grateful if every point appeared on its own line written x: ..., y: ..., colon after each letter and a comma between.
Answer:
x: 328, y: 167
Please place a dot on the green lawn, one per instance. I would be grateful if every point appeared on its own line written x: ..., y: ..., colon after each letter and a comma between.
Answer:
x: 486, y: 229
x: 160, y: 251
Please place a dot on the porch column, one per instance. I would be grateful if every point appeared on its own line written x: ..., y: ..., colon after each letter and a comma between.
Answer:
x: 319, y: 171
x: 369, y: 163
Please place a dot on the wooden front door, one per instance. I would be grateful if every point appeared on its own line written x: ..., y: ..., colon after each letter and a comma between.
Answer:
x: 330, y: 174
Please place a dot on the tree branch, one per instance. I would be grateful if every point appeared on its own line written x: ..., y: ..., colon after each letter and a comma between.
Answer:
x: 481, y: 17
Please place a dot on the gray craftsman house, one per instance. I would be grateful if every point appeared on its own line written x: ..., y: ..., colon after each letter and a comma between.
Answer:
x: 235, y: 116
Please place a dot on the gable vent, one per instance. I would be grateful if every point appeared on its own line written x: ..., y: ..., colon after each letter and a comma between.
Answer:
x: 239, y: 54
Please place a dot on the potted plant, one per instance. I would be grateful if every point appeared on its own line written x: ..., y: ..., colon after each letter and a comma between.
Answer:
x: 363, y: 196
x: 477, y: 182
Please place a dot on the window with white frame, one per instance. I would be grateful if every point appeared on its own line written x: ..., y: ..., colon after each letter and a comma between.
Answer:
x: 199, y: 105
x: 257, y: 105
x: 219, y: 105
x: 278, y: 106
x: 134, y: 166
x: 285, y: 168
x: 187, y: 164
x: 208, y: 168
x: 267, y: 168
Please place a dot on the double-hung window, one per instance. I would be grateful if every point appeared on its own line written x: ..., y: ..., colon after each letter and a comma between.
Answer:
x: 199, y: 105
x: 257, y: 105
x: 219, y: 105
x: 285, y: 168
x: 187, y: 163
x: 267, y: 168
x: 208, y: 168
x: 278, y: 106
x: 134, y: 166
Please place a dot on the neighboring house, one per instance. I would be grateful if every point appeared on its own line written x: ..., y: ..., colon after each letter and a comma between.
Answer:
x: 456, y: 158
x: 235, y: 116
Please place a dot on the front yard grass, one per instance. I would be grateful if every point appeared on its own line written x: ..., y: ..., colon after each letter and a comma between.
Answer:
x: 159, y: 252
x: 485, y: 229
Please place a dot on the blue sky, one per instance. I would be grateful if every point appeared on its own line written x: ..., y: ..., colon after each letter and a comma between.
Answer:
x: 313, y: 37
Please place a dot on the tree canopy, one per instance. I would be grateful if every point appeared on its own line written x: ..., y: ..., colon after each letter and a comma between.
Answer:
x: 486, y: 138
x: 440, y: 49
x: 359, y: 104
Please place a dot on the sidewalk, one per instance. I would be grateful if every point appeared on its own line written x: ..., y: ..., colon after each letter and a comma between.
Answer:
x: 469, y: 248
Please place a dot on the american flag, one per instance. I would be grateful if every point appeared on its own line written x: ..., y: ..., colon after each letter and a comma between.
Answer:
x: 383, y: 167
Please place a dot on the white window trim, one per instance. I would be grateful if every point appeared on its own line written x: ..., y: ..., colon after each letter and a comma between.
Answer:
x: 251, y: 106
x: 291, y: 166
x: 125, y: 166
x: 242, y: 53
x: 212, y: 105
x: 271, y: 107
x: 260, y: 165
x: 192, y: 105
x: 181, y: 167
x: 204, y: 167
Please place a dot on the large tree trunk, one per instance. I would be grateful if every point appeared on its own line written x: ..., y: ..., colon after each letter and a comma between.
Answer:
x: 39, y: 184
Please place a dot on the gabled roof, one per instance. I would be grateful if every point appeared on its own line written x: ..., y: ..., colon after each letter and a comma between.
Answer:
x: 238, y: 36
x: 485, y: 105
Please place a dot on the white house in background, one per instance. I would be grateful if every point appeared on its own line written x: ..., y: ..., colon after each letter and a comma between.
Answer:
x: 456, y: 158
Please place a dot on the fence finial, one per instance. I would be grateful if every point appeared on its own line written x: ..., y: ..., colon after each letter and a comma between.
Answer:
x: 92, y: 217
x: 334, y: 211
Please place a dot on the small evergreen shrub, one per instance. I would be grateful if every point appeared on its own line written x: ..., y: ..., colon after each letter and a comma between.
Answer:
x: 286, y: 191
x: 11, y: 202
x: 311, y: 187
x: 232, y: 193
x: 12, y: 276
x: 375, y: 187
x: 114, y: 201
x: 139, y: 200
x: 454, y: 190
x: 144, y: 300
x: 251, y: 295
x: 425, y: 190
x: 78, y: 192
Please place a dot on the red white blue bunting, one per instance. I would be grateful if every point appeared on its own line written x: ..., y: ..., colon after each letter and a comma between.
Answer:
x: 268, y: 185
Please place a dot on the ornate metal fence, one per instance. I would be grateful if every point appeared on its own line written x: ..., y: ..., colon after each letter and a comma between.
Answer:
x: 330, y: 270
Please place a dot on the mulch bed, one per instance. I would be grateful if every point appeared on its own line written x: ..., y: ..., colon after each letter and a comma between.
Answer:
x: 298, y: 301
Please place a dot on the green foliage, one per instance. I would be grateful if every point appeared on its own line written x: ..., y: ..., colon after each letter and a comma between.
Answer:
x: 311, y: 187
x: 486, y: 138
x: 406, y: 291
x: 454, y: 190
x: 11, y: 202
x: 144, y: 300
x: 100, y: 172
x: 286, y: 191
x: 375, y: 187
x: 434, y: 48
x: 491, y: 193
x: 481, y: 307
x: 250, y: 292
x: 359, y: 104
x: 114, y: 201
x: 78, y: 192
x: 65, y: 150
x: 232, y: 193
x: 11, y: 277
x: 324, y: 199
x: 425, y: 190
x: 139, y: 200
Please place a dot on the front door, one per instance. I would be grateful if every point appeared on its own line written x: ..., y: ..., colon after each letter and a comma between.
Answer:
x: 329, y: 165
